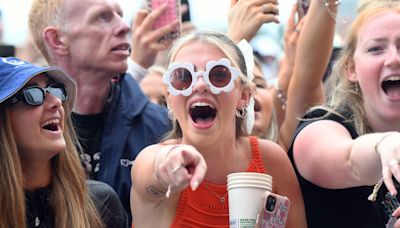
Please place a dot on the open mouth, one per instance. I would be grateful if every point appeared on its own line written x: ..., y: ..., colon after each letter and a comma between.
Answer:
x: 391, y: 86
x: 121, y: 47
x: 51, y: 125
x: 201, y: 112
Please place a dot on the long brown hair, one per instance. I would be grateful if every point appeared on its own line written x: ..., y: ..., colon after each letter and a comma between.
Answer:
x: 69, y: 197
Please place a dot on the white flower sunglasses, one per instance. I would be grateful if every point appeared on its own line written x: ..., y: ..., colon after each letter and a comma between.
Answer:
x: 219, y: 75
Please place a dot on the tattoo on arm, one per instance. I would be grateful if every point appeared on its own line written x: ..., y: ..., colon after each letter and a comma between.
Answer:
x: 152, y: 190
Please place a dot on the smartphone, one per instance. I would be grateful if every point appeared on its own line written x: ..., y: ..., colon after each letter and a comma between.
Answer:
x: 389, y: 205
x: 172, y: 14
x: 273, y: 211
x: 302, y: 8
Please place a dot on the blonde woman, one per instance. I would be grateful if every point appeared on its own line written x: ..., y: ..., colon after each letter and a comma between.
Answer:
x: 182, y: 181
x: 341, y: 150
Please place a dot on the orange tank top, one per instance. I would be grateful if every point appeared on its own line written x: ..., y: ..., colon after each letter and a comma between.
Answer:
x: 203, y: 208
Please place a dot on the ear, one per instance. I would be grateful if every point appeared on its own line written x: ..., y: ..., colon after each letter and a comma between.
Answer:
x: 55, y: 40
x: 168, y: 99
x: 351, y: 72
x: 244, y: 98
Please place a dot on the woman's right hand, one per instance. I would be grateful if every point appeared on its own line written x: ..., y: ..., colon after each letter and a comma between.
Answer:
x: 396, y: 214
x: 388, y: 148
x: 182, y: 165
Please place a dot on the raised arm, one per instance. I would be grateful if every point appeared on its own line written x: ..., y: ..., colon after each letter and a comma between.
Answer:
x: 291, y: 37
x: 336, y: 161
x: 312, y: 57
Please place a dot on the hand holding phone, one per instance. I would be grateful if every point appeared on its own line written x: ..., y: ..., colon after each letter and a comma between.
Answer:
x: 169, y: 16
x: 273, y: 211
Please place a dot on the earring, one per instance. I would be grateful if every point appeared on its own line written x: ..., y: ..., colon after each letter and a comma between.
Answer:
x: 356, y: 88
x: 249, y: 120
x: 171, y: 114
x: 241, y: 113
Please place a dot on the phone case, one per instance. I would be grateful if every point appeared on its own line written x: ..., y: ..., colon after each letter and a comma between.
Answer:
x: 172, y: 14
x: 273, y: 212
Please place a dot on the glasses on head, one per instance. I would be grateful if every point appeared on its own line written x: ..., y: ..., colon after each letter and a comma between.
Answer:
x: 219, y: 76
x: 35, y: 95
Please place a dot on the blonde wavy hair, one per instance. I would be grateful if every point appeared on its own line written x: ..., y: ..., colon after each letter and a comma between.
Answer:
x: 347, y: 95
x: 233, y: 53
x: 69, y: 197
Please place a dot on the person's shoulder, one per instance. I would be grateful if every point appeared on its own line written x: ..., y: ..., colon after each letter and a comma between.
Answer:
x: 100, y: 189
x: 274, y: 157
x: 156, y: 114
x: 108, y: 204
x: 157, y: 146
x: 270, y: 150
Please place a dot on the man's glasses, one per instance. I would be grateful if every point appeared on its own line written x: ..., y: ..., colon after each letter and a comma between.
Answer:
x: 35, y: 95
x: 219, y: 76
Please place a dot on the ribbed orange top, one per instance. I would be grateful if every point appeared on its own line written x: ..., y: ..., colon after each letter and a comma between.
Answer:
x: 204, y: 209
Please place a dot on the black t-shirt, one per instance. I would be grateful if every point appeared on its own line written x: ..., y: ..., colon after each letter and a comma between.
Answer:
x: 89, y: 129
x: 39, y: 213
x: 335, y: 208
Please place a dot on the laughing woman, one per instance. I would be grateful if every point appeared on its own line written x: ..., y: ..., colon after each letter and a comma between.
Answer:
x: 42, y: 183
x: 186, y: 176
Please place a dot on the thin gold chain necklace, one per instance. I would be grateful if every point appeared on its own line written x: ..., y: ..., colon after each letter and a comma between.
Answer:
x: 222, y: 199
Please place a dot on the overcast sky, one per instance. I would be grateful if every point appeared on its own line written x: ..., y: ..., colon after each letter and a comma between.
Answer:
x: 204, y: 14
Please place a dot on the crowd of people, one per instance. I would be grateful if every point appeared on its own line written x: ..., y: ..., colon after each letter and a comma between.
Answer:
x: 122, y: 128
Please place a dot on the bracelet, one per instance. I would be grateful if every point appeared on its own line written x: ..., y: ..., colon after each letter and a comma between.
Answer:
x: 379, y: 142
x: 280, y: 95
x: 327, y: 4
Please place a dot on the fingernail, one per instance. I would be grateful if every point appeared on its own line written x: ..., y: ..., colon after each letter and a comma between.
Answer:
x: 195, y: 185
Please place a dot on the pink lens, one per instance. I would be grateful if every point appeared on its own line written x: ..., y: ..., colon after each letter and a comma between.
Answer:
x: 220, y: 76
x: 181, y: 79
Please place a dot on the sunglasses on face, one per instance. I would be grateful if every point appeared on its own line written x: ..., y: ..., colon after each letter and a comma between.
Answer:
x: 35, y: 95
x: 219, y: 76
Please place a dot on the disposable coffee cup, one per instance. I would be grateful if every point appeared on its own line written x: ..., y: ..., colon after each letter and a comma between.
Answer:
x: 245, y: 192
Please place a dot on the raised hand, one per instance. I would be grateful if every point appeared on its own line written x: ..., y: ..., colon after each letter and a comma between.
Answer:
x: 245, y: 17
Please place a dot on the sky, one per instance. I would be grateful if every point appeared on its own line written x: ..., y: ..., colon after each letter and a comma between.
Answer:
x: 204, y: 14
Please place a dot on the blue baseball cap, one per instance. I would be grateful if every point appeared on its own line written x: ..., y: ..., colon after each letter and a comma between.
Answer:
x: 15, y: 73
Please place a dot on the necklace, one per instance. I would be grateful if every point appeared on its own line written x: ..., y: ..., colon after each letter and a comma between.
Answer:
x: 222, y: 199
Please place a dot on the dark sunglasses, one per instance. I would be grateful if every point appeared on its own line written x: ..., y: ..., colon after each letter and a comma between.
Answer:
x: 35, y: 95
x: 219, y: 76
